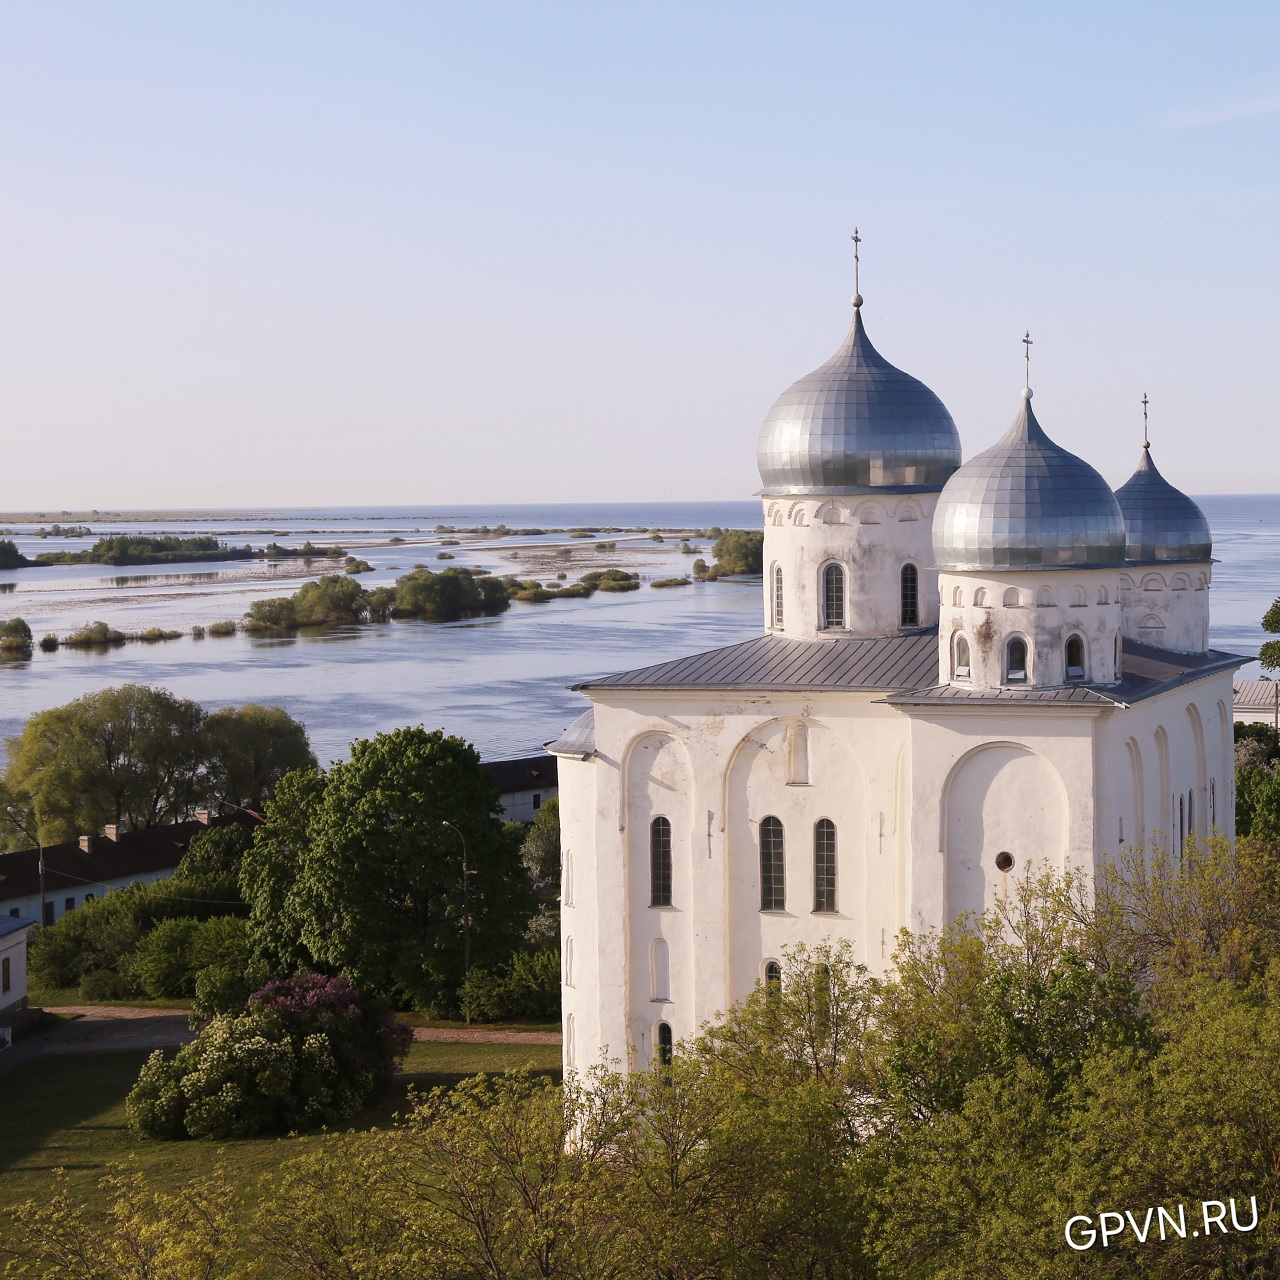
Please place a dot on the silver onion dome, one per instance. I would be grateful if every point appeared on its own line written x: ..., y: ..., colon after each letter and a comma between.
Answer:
x: 1027, y: 503
x: 1162, y: 523
x: 856, y: 423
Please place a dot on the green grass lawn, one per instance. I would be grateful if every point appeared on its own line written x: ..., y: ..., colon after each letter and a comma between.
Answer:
x: 67, y: 1111
x: 60, y: 997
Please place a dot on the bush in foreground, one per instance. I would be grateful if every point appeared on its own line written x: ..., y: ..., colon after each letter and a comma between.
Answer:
x: 305, y: 1052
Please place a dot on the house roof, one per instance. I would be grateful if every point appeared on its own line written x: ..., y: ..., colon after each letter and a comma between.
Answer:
x: 775, y: 663
x: 529, y: 773
x: 1257, y: 695
x: 13, y: 924
x: 132, y: 853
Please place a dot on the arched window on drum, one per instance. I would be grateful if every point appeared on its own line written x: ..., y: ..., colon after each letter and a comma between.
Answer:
x: 833, y: 597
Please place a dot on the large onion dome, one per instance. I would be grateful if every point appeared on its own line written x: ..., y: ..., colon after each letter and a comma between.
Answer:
x: 857, y: 423
x: 1161, y: 522
x: 1027, y: 503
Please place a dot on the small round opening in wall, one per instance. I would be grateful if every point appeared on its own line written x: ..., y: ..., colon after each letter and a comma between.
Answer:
x: 1004, y: 861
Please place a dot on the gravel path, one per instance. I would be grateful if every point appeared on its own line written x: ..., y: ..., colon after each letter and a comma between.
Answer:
x: 469, y: 1035
x: 104, y: 1030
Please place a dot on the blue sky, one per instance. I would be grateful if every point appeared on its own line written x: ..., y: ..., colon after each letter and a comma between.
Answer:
x: 293, y: 253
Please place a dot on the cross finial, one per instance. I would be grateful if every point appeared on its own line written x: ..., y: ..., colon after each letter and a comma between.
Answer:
x: 857, y: 283
x: 1026, y: 346
x: 1146, y: 438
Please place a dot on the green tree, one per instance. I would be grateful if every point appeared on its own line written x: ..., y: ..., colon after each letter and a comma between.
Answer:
x: 10, y: 556
x: 276, y: 613
x: 1269, y: 654
x: 336, y: 597
x: 15, y: 636
x: 130, y: 755
x: 248, y: 750
x: 739, y: 551
x: 367, y: 879
x: 216, y: 851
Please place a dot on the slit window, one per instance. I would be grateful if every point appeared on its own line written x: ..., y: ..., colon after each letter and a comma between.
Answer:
x: 833, y: 596
x: 824, y: 865
x: 910, y: 596
x: 777, y: 596
x: 666, y: 1044
x: 6, y: 976
x: 1075, y: 658
x: 773, y: 881
x: 660, y: 862
x: 962, y: 658
x: 1016, y: 661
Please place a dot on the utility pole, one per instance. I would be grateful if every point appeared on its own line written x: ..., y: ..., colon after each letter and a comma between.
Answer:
x: 43, y: 911
x: 466, y: 909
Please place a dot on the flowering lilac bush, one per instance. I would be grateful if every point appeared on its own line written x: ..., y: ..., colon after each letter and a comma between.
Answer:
x: 304, y: 1052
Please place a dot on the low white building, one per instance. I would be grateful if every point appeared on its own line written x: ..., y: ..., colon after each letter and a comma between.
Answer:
x: 1258, y: 702
x: 13, y: 973
x: 964, y: 671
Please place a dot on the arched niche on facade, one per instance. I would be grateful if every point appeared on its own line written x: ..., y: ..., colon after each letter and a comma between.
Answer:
x: 1001, y: 801
x: 757, y: 785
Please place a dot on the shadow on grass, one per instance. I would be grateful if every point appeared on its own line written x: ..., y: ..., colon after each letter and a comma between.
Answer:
x: 67, y: 1104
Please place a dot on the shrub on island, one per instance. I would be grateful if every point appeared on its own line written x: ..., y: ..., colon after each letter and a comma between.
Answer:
x: 15, y: 636
x: 93, y: 635
x: 304, y: 1052
x: 611, y: 580
x: 671, y: 582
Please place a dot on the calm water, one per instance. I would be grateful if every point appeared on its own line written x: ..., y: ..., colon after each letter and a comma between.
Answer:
x: 500, y: 682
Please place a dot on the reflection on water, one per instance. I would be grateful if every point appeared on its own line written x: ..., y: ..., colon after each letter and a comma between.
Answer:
x: 165, y: 579
x: 6, y: 587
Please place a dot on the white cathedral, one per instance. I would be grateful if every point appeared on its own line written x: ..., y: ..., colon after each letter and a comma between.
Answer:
x: 964, y: 669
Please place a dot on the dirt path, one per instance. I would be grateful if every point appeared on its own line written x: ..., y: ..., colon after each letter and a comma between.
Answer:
x: 103, y: 1030
x: 111, y: 1028
x: 477, y: 1035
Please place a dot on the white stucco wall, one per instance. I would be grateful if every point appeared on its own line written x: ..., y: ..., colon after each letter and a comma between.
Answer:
x: 1044, y: 608
x: 871, y: 536
x: 923, y: 802
x: 1167, y: 605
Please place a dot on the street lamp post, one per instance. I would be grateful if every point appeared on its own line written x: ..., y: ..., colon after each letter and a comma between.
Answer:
x: 466, y: 909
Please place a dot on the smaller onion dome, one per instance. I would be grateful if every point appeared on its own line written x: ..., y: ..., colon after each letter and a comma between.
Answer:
x: 855, y: 423
x: 1161, y: 522
x: 1026, y: 503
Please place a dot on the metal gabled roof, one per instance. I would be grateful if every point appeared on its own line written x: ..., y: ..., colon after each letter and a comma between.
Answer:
x: 1145, y: 671
x: 775, y: 663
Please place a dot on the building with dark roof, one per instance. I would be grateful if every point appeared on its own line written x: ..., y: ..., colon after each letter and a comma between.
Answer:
x: 44, y: 884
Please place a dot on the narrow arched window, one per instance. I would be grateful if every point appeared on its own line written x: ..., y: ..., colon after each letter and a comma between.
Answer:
x: 777, y: 596
x: 773, y: 876
x: 666, y: 1044
x: 568, y: 962
x: 910, y: 596
x: 957, y: 595
x: 824, y: 865
x: 1011, y: 598
x: 660, y: 862
x: 1191, y: 812
x: 1213, y: 803
x: 961, y: 659
x: 1016, y: 661
x: 833, y: 596
x: 659, y: 970
x: 772, y: 975
x: 980, y: 597
x: 1075, y: 658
